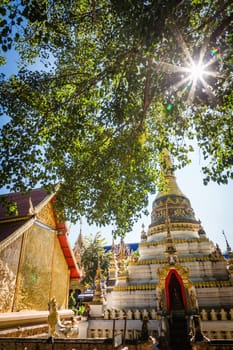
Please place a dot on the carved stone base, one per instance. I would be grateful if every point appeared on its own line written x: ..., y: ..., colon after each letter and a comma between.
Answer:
x: 97, y: 310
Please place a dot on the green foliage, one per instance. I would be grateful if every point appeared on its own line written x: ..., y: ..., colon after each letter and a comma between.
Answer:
x: 111, y: 98
x: 72, y: 302
x: 93, y: 250
x: 136, y: 255
x: 81, y: 310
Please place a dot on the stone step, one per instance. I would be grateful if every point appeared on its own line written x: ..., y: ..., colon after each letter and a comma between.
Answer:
x: 26, y: 331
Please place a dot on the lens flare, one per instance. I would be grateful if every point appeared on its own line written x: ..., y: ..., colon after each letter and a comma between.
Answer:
x: 213, y: 51
x: 169, y: 107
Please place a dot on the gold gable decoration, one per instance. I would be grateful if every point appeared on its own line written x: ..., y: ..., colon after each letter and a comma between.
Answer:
x: 46, y: 216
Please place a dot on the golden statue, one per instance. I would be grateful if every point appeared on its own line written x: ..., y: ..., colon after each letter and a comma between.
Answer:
x: 56, y: 328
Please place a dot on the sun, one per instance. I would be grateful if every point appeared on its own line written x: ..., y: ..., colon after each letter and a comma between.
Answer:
x: 197, y: 71
x: 194, y: 76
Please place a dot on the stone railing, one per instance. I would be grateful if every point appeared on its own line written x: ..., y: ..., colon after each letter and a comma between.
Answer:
x: 216, y: 315
x: 130, y: 334
x: 127, y: 322
x: 217, y: 324
x: 135, y: 314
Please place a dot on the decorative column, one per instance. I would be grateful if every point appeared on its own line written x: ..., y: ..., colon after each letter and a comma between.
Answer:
x: 97, y: 304
x: 113, y: 269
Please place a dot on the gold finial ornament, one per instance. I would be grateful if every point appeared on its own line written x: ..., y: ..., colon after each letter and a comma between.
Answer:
x: 230, y: 257
x: 98, y: 295
x: 143, y: 234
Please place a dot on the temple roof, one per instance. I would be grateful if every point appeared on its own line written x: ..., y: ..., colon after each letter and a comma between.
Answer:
x: 15, y: 210
x: 18, y: 209
x: 22, y: 204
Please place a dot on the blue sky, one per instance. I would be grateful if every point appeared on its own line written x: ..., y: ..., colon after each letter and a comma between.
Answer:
x: 212, y: 204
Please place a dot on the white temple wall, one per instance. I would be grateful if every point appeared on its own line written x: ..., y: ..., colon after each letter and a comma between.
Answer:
x: 214, y: 296
x: 184, y: 249
x: 194, y: 248
x: 152, y: 252
x: 142, y: 273
x: 158, y: 237
x: 207, y: 270
x: 199, y: 271
x: 134, y: 299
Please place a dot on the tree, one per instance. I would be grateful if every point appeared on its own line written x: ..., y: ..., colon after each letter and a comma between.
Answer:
x: 93, y: 250
x: 117, y: 89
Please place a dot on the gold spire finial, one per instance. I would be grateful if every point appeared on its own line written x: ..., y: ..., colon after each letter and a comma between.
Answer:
x: 113, y: 246
x: 166, y: 161
x: 143, y: 233
x: 80, y: 241
x: 170, y: 186
x: 31, y: 210
x: 230, y: 257
x: 229, y: 250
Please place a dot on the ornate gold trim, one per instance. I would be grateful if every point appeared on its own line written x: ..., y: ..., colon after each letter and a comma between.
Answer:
x: 179, y: 240
x: 175, y: 226
x: 179, y: 260
x: 22, y: 218
x: 184, y: 275
x: 210, y: 284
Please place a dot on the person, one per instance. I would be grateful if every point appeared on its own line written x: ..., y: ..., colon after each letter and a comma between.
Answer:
x: 163, y: 342
x: 155, y: 344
